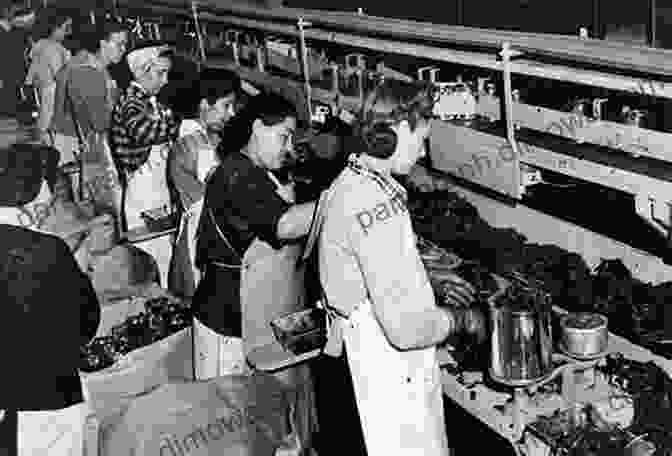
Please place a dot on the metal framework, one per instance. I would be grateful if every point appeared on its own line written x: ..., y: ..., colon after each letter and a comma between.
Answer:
x: 596, y: 146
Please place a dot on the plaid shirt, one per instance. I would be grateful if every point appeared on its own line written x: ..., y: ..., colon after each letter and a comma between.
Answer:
x: 139, y: 121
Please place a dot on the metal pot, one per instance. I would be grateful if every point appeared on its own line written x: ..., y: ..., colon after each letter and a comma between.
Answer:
x: 584, y: 334
x: 521, y: 345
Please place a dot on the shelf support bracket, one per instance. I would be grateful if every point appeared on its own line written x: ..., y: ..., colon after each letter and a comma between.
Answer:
x: 199, y: 32
x: 507, y: 54
x: 302, y: 24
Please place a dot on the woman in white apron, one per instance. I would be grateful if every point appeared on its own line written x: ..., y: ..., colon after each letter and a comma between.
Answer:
x: 377, y: 291
x: 141, y: 133
x: 248, y: 248
x: 190, y: 161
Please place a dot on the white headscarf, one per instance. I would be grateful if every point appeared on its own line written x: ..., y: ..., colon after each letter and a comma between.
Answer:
x: 141, y: 60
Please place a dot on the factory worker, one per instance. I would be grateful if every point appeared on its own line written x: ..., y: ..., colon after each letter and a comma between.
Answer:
x: 377, y: 291
x: 49, y: 311
x: 249, y: 243
x: 142, y: 130
x: 190, y: 160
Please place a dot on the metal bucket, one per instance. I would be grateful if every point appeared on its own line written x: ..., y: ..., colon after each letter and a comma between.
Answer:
x: 521, y: 345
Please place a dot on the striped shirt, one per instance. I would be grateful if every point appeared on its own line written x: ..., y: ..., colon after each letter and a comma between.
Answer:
x: 139, y: 121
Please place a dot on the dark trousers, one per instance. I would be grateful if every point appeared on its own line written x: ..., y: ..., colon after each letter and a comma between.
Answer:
x: 340, y: 428
x: 9, y: 434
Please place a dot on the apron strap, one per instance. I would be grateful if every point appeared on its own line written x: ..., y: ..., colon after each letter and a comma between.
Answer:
x: 227, y: 266
x: 223, y: 237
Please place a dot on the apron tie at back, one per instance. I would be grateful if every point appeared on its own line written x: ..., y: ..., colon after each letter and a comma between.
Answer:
x: 226, y: 266
x: 335, y: 319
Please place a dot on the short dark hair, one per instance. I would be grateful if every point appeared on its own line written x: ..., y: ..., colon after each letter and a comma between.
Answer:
x: 215, y: 84
x: 89, y: 36
x: 48, y: 20
x: 268, y: 107
x: 10, y: 9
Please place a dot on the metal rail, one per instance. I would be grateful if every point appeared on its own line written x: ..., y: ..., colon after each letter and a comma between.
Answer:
x: 612, y: 55
x: 641, y: 85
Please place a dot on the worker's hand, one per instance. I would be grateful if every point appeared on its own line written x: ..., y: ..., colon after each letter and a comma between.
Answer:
x: 287, y: 192
x: 42, y: 136
x: 456, y: 292
x: 472, y: 321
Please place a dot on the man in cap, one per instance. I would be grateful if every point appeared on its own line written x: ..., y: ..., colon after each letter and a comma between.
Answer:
x: 50, y: 310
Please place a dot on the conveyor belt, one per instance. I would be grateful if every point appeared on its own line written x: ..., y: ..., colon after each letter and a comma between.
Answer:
x: 609, y: 54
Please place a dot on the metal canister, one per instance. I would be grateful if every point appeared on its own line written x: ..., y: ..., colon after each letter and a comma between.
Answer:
x: 584, y: 334
x: 521, y: 345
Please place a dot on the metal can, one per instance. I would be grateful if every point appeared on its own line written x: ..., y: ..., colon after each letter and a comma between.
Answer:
x: 584, y: 334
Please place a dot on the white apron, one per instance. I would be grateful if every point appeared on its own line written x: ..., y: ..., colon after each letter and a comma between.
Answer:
x: 272, y: 285
x: 214, y: 355
x: 147, y: 188
x: 398, y: 393
x: 206, y: 164
x: 52, y: 432
x: 189, y: 228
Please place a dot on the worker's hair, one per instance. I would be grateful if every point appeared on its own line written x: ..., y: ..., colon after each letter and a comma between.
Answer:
x: 390, y: 102
x: 215, y: 84
x: 268, y: 107
x: 48, y: 20
x: 10, y: 9
x: 89, y: 36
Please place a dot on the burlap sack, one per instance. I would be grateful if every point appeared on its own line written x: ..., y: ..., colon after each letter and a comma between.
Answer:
x: 233, y: 416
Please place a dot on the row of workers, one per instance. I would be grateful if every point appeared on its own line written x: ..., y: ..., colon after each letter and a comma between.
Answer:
x: 245, y: 234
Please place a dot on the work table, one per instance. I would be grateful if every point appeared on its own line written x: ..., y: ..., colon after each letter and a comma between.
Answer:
x: 486, y: 404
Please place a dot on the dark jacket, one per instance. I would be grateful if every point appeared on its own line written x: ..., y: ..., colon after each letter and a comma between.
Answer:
x: 245, y: 206
x: 49, y: 309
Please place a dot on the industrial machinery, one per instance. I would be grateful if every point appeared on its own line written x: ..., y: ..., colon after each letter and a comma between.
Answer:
x: 516, y: 112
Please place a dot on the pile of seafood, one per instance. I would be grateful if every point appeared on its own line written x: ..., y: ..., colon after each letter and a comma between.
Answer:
x: 162, y: 317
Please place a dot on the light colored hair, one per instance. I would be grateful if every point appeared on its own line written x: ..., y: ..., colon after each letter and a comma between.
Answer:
x: 393, y: 101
